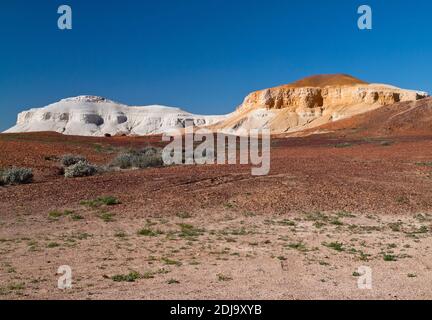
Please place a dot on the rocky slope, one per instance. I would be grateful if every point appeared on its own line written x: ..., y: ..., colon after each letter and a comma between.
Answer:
x: 312, y: 102
x: 97, y: 116
x: 399, y: 119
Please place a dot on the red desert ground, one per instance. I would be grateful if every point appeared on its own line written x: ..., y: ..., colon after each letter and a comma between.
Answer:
x: 349, y: 187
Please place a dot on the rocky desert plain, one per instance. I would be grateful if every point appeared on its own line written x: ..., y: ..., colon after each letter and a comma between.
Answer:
x: 349, y: 187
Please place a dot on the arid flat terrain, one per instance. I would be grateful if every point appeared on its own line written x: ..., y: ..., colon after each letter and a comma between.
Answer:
x: 331, y: 204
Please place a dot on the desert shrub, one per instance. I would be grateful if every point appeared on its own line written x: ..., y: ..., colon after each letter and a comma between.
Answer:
x: 16, y: 176
x: 98, y: 202
x: 386, y: 143
x: 69, y: 159
x: 51, y: 158
x: 130, y: 277
x: 123, y: 160
x: 147, y: 157
x: 80, y: 169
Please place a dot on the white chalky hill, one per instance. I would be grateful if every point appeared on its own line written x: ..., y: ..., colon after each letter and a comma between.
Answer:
x: 97, y: 116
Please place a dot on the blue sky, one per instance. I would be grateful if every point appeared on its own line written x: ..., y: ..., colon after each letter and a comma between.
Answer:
x: 202, y: 55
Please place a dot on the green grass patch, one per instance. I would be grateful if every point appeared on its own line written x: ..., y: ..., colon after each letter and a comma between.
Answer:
x: 98, y: 202
x: 188, y: 230
x: 130, y: 277
x: 223, y: 277
x: 120, y: 234
x: 389, y: 257
x: 147, y: 232
x: 338, y: 246
x: 173, y: 281
x: 76, y: 217
x: 56, y: 214
x: 300, y: 246
x: 53, y: 245
x: 424, y: 164
x: 107, y: 217
x: 343, y: 145
x: 171, y: 262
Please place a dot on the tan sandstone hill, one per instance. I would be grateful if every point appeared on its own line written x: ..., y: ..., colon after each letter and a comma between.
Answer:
x: 312, y: 102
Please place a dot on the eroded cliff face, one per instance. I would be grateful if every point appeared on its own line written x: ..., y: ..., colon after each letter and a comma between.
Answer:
x: 293, y: 107
x: 298, y: 99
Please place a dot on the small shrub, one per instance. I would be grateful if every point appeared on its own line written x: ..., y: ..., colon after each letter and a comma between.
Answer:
x: 55, y: 214
x: 149, y: 233
x: 389, y: 257
x: 148, y: 275
x: 53, y: 245
x: 424, y: 164
x: 223, y: 277
x: 120, y: 234
x: 69, y: 160
x: 300, y: 246
x: 51, y: 158
x: 343, y: 145
x: 109, y: 200
x: 286, y: 222
x: 395, y: 226
x: 338, y: 246
x: 386, y: 143
x: 80, y: 169
x: 336, y: 222
x: 16, y: 176
x: 123, y: 161
x: 183, y: 215
x: 171, y: 262
x: 130, y: 277
x: 76, y: 217
x: 402, y: 200
x: 96, y: 203
x: 173, y: 281
x: 147, y: 157
x: 107, y: 217
x: 188, y: 230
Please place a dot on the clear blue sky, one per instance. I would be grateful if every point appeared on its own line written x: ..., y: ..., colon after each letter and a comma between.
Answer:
x: 202, y: 55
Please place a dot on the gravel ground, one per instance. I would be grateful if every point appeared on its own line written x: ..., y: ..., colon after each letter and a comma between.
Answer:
x: 329, y: 206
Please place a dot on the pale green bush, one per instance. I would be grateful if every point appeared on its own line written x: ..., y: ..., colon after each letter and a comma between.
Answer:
x: 80, y: 169
x: 144, y: 158
x: 16, y: 176
x: 70, y: 159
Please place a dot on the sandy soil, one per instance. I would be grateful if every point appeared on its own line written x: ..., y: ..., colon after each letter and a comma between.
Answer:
x: 328, y: 207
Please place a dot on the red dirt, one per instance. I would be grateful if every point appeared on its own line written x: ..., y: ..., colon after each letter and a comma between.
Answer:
x: 362, y: 185
x: 314, y: 173
x: 324, y: 80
